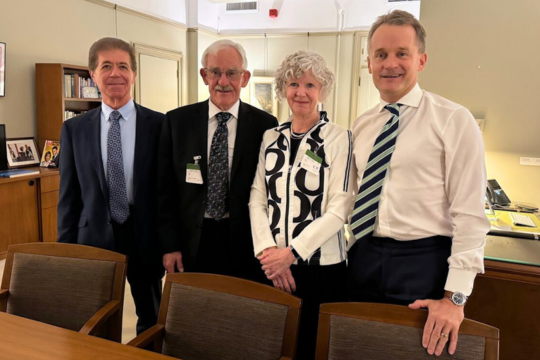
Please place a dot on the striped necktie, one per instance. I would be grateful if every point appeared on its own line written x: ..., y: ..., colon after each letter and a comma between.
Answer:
x: 367, y: 201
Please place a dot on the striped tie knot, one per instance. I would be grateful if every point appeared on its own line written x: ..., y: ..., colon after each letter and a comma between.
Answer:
x: 366, y: 205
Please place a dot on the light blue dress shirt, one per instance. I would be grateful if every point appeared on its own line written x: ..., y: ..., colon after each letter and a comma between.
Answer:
x: 128, y: 127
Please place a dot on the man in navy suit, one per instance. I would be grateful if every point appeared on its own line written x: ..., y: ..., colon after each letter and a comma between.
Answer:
x: 108, y: 176
x: 208, y: 156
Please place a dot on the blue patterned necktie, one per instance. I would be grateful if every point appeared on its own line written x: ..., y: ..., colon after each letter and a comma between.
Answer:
x: 367, y: 201
x: 218, y: 169
x: 118, y: 200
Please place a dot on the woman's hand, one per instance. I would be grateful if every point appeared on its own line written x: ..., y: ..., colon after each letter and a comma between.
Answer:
x: 275, y: 262
x: 285, y: 282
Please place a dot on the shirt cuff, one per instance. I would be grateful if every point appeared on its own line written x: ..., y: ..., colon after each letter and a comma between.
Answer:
x: 263, y: 246
x: 460, y: 280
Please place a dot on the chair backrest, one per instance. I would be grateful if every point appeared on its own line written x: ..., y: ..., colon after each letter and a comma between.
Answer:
x: 383, y: 331
x: 219, y: 317
x: 63, y: 284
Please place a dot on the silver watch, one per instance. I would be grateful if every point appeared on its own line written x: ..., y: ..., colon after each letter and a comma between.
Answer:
x: 458, y: 298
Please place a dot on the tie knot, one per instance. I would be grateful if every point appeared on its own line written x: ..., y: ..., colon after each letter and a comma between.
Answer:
x: 223, y: 117
x: 393, y: 108
x: 115, y: 115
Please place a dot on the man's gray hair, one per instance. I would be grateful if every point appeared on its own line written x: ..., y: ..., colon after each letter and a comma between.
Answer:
x: 215, y: 47
x: 296, y: 65
x: 401, y: 18
x: 110, y: 43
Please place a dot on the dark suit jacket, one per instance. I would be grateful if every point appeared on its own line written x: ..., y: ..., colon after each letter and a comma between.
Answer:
x: 182, y: 205
x: 83, y: 208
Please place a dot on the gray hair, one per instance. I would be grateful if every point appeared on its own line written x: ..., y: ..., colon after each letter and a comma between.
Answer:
x: 215, y: 47
x: 296, y: 65
x: 401, y: 18
x: 110, y: 43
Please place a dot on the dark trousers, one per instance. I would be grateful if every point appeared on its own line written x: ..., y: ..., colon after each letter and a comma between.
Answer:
x: 398, y: 272
x: 316, y: 285
x: 215, y: 254
x: 144, y: 278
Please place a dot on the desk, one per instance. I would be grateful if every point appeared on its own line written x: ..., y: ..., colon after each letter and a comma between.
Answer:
x: 24, y: 339
x: 28, y: 207
x: 507, y: 296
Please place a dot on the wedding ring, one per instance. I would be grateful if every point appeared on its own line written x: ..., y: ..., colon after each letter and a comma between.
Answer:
x: 444, y: 335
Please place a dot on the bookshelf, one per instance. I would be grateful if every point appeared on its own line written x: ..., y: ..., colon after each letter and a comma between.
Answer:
x: 54, y: 97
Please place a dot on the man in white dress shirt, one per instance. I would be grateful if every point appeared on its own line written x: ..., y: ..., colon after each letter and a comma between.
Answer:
x: 428, y: 234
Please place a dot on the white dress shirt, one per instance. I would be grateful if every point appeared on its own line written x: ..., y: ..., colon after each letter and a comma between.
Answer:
x: 128, y: 126
x: 232, y: 124
x: 436, y: 181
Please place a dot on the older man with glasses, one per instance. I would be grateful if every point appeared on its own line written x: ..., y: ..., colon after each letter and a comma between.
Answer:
x: 207, y: 160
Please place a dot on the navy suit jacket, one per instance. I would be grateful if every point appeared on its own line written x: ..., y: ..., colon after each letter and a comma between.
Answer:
x: 182, y: 205
x: 83, y: 208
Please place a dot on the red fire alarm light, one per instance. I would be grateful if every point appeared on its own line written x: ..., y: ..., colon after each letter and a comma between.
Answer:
x: 273, y: 13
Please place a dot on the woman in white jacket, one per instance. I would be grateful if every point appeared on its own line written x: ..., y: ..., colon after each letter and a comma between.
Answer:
x: 301, y: 195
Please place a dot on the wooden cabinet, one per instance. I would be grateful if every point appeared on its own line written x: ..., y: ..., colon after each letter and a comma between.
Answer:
x: 507, y: 296
x: 51, y: 100
x: 28, y: 207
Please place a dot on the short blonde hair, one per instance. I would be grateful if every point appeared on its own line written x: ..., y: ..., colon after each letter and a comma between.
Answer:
x: 296, y: 65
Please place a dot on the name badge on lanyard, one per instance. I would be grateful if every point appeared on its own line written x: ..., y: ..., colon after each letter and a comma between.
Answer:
x: 311, y: 162
x: 193, y: 172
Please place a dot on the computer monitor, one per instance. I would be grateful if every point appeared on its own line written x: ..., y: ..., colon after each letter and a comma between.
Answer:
x: 3, y: 148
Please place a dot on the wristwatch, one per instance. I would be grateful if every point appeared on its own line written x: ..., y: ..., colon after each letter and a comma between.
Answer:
x: 295, y: 253
x: 458, y: 298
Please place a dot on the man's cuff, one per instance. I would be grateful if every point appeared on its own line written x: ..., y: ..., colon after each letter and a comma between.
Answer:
x: 460, y: 280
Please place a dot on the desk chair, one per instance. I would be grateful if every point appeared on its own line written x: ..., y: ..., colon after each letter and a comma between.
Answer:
x: 75, y: 287
x: 211, y: 317
x: 387, y: 332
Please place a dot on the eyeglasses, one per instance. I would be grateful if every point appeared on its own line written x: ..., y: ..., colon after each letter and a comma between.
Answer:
x: 214, y: 74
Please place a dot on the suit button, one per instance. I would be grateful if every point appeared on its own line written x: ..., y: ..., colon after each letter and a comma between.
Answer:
x: 199, y: 226
x: 109, y: 222
x: 204, y: 202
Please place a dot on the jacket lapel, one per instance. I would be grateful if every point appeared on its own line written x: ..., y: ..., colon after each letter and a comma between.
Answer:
x: 201, y: 139
x: 94, y: 140
x: 144, y: 132
x: 243, y: 130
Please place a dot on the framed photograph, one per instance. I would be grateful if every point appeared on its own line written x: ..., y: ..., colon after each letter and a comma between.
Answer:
x: 22, y: 152
x: 2, y: 69
x: 262, y: 94
x: 51, y: 154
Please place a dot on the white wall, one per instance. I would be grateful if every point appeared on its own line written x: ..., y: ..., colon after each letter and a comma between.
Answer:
x: 360, y: 14
x: 173, y: 10
x: 484, y: 55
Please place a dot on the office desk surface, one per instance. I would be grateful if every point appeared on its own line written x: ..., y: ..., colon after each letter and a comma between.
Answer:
x: 24, y: 339
x: 512, y: 250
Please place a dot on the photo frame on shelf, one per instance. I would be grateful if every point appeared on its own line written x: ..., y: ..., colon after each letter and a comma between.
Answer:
x: 262, y: 94
x: 50, y: 156
x: 22, y: 152
x: 2, y: 69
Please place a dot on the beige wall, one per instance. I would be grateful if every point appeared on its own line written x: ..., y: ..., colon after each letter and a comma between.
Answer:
x: 484, y: 54
x: 61, y: 31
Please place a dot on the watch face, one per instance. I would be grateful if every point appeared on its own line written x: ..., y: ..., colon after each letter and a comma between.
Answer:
x: 459, y: 298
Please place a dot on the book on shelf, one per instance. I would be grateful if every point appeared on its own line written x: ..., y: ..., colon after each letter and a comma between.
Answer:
x: 16, y: 173
x: 80, y: 87
x: 68, y: 114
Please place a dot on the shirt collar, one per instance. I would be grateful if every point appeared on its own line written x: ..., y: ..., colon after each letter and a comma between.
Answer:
x: 127, y: 111
x: 412, y: 98
x: 213, y: 109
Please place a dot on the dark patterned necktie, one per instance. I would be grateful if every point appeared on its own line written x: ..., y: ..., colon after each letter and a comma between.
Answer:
x: 366, y: 205
x: 118, y: 200
x: 218, y: 169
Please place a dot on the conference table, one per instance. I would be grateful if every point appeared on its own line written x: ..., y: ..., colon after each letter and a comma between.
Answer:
x: 25, y: 339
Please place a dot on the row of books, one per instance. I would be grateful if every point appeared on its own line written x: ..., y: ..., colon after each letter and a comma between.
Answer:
x: 68, y: 114
x: 80, y: 87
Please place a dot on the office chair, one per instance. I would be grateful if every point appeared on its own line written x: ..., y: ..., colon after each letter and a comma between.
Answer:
x: 382, y: 331
x: 76, y: 287
x: 206, y: 316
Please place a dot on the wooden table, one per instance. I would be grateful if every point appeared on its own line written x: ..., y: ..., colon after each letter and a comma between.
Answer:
x: 24, y: 339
